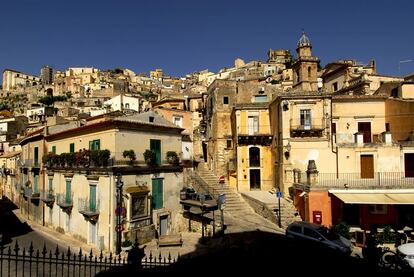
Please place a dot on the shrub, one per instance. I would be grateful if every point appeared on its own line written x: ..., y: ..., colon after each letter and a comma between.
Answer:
x: 130, y: 154
x: 126, y: 243
x: 342, y: 229
x: 172, y: 157
x: 149, y: 157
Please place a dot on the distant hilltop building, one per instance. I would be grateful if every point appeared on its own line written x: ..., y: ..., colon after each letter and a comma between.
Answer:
x: 46, y: 74
x: 13, y: 80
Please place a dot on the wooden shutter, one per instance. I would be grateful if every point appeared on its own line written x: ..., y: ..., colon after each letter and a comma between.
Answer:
x: 68, y: 191
x: 365, y: 128
x: 157, y: 193
x: 92, y: 197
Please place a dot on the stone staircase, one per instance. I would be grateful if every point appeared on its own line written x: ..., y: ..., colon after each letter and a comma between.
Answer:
x: 206, y: 181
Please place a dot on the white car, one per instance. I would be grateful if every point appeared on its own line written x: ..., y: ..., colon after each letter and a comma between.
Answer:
x: 320, y: 234
x: 406, y: 252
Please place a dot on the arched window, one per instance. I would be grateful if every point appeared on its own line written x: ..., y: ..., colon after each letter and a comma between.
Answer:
x: 309, y: 72
x: 254, y: 156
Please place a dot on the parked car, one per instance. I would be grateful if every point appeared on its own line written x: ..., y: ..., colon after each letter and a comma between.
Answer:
x: 406, y: 253
x: 319, y: 234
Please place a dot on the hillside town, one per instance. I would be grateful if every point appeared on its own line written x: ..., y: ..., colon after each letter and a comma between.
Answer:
x: 107, y: 156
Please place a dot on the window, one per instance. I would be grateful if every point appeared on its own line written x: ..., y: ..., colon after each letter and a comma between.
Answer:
x: 36, y: 155
x: 126, y: 105
x: 305, y: 119
x: 68, y: 195
x: 333, y: 128
x: 92, y: 197
x: 95, y: 144
x: 387, y: 127
x: 254, y: 156
x: 151, y: 119
x: 72, y: 148
x: 157, y: 193
x: 229, y: 144
x: 260, y: 98
x: 253, y: 125
x: 54, y: 149
x: 311, y: 233
x: 178, y: 120
x: 335, y: 86
x: 225, y: 100
x: 365, y: 128
x: 138, y: 205
x: 50, y: 189
x: 377, y: 209
x: 36, y: 183
x: 309, y: 72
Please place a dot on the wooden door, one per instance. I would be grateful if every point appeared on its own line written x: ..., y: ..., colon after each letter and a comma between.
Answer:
x: 367, y: 166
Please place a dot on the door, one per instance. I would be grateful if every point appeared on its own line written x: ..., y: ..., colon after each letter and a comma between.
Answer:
x: 92, y: 233
x: 155, y: 145
x: 305, y: 119
x: 365, y: 128
x: 157, y: 193
x: 367, y: 166
x: 254, y: 179
x: 163, y: 225
x: 68, y: 195
x: 409, y: 164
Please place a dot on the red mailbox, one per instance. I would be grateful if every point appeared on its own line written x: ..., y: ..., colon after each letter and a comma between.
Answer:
x: 317, y: 217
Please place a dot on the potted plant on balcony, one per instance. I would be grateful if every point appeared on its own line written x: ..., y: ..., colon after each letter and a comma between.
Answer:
x: 149, y: 157
x: 172, y: 157
x: 126, y: 245
x: 130, y: 154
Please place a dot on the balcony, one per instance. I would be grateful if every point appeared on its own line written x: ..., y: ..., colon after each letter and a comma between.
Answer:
x: 379, y: 180
x: 300, y: 129
x: 48, y: 198
x: 29, y: 193
x: 65, y: 202
x: 248, y: 135
x: 31, y: 163
x: 89, y: 209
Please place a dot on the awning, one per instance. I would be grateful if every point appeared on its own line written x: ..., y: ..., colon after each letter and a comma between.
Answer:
x: 375, y: 196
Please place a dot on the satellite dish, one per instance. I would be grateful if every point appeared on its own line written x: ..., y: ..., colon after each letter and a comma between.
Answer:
x: 268, y: 79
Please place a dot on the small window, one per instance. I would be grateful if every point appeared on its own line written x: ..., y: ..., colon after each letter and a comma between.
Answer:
x: 95, y: 144
x: 225, y: 100
x: 309, y: 72
x: 72, y: 148
x: 335, y: 86
x: 229, y: 144
x: 54, y: 149
x: 178, y: 120
x: 387, y: 127
x: 377, y: 209
x: 333, y: 128
x: 151, y: 119
x: 260, y: 98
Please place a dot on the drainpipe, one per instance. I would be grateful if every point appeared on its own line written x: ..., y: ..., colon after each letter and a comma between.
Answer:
x: 336, y: 147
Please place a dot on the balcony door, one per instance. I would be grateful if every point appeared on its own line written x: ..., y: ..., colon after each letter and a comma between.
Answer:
x: 367, y: 166
x: 409, y: 164
x: 305, y: 119
x: 365, y: 128
x: 155, y: 145
x: 253, y: 125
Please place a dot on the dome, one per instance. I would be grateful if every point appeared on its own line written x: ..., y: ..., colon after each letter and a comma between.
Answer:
x: 304, y: 40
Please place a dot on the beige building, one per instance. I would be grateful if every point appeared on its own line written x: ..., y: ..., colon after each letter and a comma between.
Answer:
x: 83, y: 183
x: 15, y: 80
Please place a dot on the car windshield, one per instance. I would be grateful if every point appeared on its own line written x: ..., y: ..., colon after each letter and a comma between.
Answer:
x: 327, y: 233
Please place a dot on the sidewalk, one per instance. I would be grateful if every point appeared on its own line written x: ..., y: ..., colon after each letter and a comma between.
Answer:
x: 62, y: 240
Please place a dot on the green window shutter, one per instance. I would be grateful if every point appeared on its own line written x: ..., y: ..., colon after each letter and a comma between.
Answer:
x: 157, y: 193
x: 72, y: 148
x: 36, y: 155
x: 54, y: 149
x: 68, y: 191
x: 98, y: 144
x: 36, y: 184
x: 92, y: 198
x: 155, y: 145
x: 50, y: 185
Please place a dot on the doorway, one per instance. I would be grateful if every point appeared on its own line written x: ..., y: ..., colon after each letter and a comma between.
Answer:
x: 367, y: 166
x: 163, y: 225
x: 92, y: 233
x: 254, y: 179
x: 409, y: 164
x: 365, y: 128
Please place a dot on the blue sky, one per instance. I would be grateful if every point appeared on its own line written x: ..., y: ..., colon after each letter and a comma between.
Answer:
x: 187, y: 36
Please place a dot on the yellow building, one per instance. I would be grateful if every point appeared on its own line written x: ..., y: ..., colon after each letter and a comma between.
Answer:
x: 252, y: 141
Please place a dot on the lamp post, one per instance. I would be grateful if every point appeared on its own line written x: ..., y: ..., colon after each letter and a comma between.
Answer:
x: 119, y: 185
